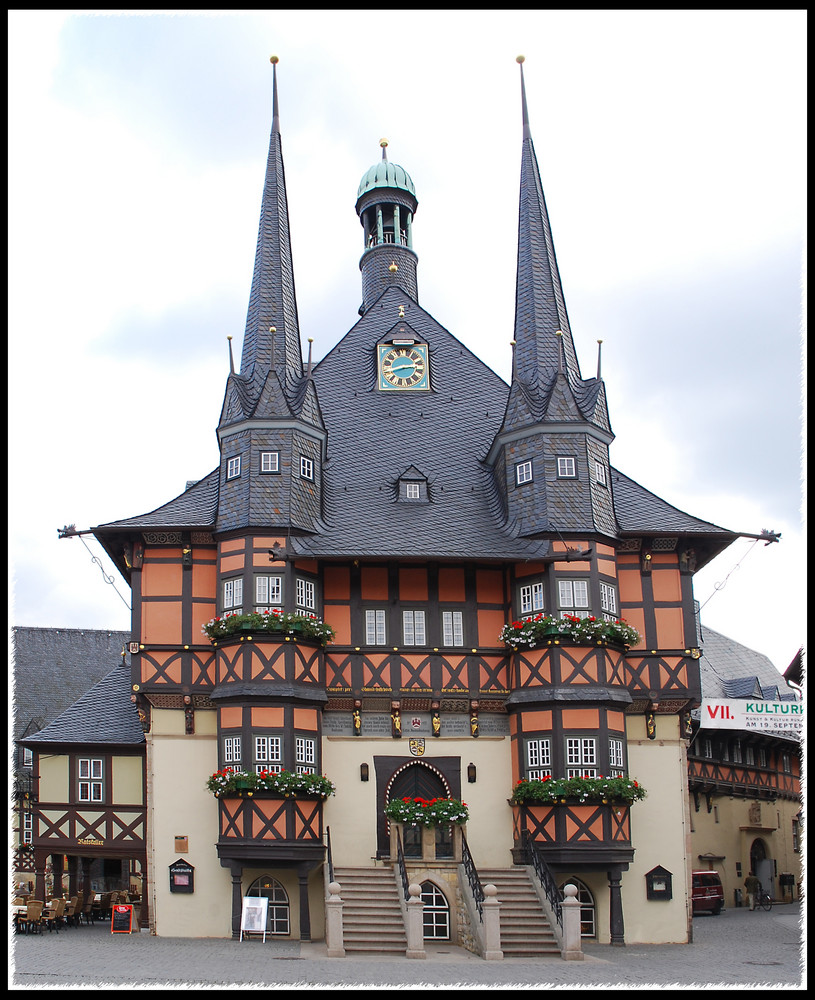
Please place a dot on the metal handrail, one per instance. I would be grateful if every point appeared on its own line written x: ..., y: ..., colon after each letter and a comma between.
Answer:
x: 400, y: 861
x: 330, y: 858
x: 472, y: 877
x: 546, y: 878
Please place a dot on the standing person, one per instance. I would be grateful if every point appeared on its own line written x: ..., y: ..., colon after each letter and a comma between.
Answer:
x: 753, y: 886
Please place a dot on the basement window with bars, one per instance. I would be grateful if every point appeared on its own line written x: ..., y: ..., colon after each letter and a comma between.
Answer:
x: 269, y: 754
x: 305, y: 755
x: 91, y: 776
x: 581, y: 757
x: 538, y: 758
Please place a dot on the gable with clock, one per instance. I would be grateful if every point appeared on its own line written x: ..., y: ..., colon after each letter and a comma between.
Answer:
x: 402, y: 364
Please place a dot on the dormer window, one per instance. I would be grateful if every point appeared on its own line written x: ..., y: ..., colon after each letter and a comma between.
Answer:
x: 523, y: 473
x: 412, y: 491
x: 233, y: 467
x: 566, y: 467
x: 412, y: 486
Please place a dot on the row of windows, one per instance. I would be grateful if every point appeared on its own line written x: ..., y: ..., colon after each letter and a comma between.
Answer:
x: 268, y: 754
x: 269, y: 465
x: 566, y: 469
x: 572, y: 596
x: 269, y: 593
x: 414, y: 630
x: 580, y: 757
x: 742, y: 754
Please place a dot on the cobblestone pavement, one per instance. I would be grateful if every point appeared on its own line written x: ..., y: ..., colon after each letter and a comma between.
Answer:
x: 738, y: 948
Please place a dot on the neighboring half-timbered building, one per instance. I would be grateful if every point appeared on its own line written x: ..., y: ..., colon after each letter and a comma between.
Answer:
x: 403, y: 493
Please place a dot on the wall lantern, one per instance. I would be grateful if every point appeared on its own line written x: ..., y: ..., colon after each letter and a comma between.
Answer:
x: 471, y: 773
x: 659, y: 883
x: 363, y: 772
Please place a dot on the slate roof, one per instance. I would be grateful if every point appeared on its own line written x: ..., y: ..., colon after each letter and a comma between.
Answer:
x: 196, y: 507
x: 104, y: 715
x: 640, y: 512
x: 54, y: 667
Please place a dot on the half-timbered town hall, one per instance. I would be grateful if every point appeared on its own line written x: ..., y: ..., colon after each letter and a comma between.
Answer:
x: 405, y: 581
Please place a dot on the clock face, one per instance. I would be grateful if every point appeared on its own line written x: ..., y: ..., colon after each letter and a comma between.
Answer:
x: 403, y: 367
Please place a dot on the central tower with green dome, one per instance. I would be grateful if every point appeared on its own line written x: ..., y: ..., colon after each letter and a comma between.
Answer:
x: 386, y: 205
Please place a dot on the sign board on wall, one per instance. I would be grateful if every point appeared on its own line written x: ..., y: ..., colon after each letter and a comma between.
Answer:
x: 758, y: 715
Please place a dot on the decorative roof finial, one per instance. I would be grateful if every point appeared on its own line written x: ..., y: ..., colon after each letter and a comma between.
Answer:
x: 308, y: 369
x: 527, y: 134
x: 599, y: 349
x: 559, y: 335
x: 384, y: 144
x: 275, y: 114
x: 231, y: 359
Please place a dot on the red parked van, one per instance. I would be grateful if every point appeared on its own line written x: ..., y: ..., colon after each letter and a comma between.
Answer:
x: 707, y: 894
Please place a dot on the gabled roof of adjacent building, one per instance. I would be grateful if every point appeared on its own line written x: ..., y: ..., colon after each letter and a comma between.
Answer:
x: 103, y: 715
x: 54, y: 667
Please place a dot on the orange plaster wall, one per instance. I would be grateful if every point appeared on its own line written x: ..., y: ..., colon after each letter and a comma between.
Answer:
x: 666, y: 585
x: 489, y: 586
x: 413, y: 584
x: 528, y: 569
x: 636, y: 619
x: 575, y: 566
x: 233, y: 545
x: 451, y: 584
x: 305, y: 718
x: 306, y: 565
x: 232, y: 564
x: 337, y: 583
x: 339, y: 616
x: 203, y: 579
x: 490, y: 624
x: 536, y: 722
x: 374, y: 583
x: 669, y: 628
x: 615, y: 721
x: 161, y: 622
x: 630, y: 584
x: 231, y: 717
x: 267, y: 717
x: 581, y: 718
x: 161, y: 579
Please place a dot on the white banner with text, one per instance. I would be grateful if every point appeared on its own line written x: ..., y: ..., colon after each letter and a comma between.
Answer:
x: 760, y: 716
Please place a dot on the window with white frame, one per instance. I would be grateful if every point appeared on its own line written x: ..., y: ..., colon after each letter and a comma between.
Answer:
x: 786, y: 763
x: 581, y: 757
x: 269, y: 754
x: 268, y: 591
x: 413, y: 630
x: 762, y: 756
x: 566, y: 468
x: 616, y: 761
x: 530, y: 598
x: 232, y: 751
x: 573, y: 598
x: 796, y: 835
x: 28, y: 827
x: 28, y: 757
x: 452, y: 628
x: 707, y: 747
x: 270, y: 461
x: 306, y: 468
x: 749, y: 754
x: 375, y: 628
x: 412, y: 491
x: 233, y: 595
x: 523, y: 473
x: 90, y: 779
x: 305, y: 594
x: 233, y: 467
x: 737, y: 757
x: 538, y: 758
x: 305, y: 755
x: 608, y: 601
x: 599, y: 473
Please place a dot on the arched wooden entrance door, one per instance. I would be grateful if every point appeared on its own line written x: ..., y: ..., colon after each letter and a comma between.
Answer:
x: 415, y: 780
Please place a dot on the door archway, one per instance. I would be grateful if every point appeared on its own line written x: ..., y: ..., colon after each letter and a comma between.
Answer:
x: 412, y: 779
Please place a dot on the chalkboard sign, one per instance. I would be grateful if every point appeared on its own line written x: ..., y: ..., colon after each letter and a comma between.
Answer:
x: 121, y: 918
x: 182, y: 876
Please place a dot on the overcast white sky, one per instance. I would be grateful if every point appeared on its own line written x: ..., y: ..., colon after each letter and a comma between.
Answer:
x: 672, y: 152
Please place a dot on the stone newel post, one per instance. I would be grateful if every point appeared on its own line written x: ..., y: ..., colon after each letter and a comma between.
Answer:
x: 415, y: 923
x: 333, y: 922
x: 571, y: 948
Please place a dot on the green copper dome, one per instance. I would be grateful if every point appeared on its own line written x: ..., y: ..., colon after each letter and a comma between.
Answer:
x: 386, y: 175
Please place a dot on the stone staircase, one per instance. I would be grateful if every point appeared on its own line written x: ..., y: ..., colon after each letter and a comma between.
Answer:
x: 525, y: 930
x: 372, y: 916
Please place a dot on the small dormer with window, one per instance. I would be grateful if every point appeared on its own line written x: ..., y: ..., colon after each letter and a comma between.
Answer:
x: 412, y: 487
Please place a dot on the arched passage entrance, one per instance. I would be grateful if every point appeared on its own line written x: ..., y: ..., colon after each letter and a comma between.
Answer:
x: 400, y: 778
x: 763, y: 866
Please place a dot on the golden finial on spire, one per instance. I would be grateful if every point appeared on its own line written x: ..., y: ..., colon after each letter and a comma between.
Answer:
x: 393, y: 268
x: 383, y: 143
x: 274, y: 60
x: 519, y: 59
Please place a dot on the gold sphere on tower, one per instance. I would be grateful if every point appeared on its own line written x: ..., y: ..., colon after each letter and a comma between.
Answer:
x: 273, y: 60
x: 519, y: 59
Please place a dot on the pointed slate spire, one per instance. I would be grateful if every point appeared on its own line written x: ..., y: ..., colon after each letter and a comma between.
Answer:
x: 272, y: 337
x: 544, y: 344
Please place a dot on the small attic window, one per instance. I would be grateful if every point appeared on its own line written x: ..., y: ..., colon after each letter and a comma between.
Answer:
x: 233, y: 467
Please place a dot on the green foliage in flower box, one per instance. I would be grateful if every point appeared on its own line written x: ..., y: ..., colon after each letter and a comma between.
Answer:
x: 286, y: 622
x: 427, y: 812
x: 539, y: 791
